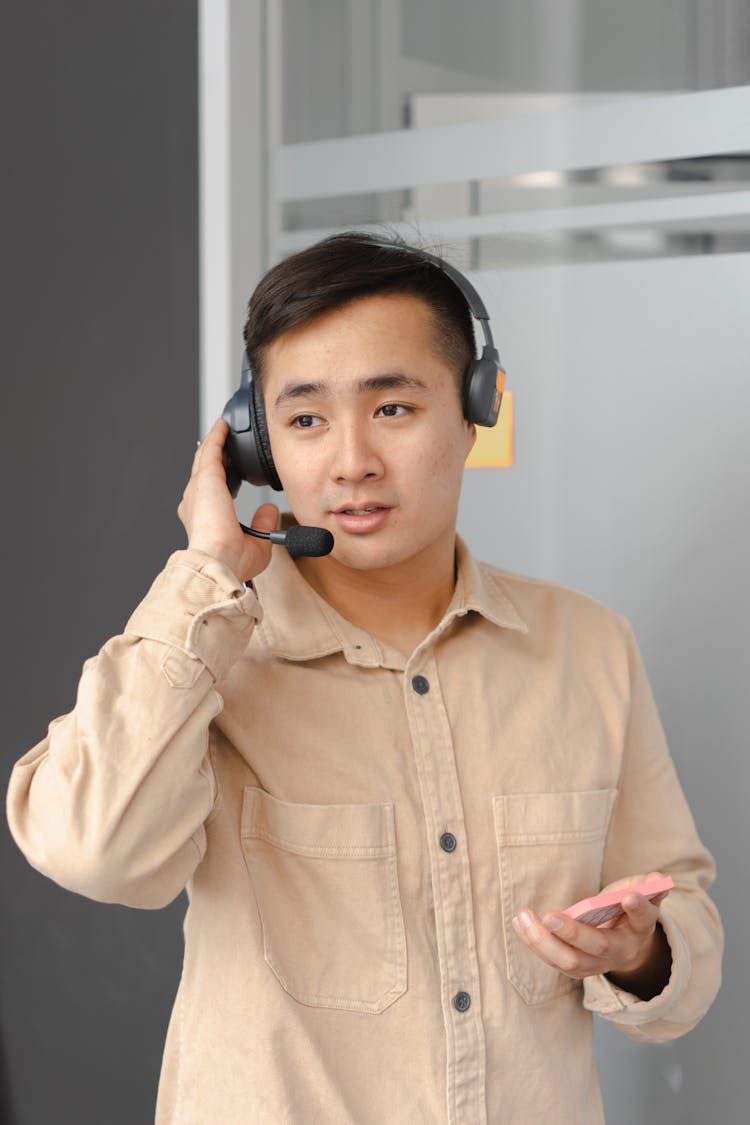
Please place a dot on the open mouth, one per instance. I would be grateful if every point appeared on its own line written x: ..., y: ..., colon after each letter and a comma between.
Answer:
x: 362, y: 518
x: 363, y: 511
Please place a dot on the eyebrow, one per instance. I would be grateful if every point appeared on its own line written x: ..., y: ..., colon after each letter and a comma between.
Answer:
x: 322, y: 389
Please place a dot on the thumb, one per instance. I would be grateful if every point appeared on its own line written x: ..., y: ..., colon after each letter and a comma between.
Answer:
x: 266, y: 518
x: 641, y: 913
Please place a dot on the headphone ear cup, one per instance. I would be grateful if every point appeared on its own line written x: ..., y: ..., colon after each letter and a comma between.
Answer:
x: 239, y: 445
x: 247, y: 444
x: 259, y: 431
x: 484, y: 389
x: 244, y: 461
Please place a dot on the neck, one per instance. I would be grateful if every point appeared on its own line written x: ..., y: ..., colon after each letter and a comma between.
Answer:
x: 399, y: 604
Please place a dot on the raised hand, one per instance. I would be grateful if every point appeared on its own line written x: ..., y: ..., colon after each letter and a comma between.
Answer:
x: 207, y: 512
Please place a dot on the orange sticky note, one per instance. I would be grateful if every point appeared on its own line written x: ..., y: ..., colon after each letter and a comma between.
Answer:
x: 493, y: 448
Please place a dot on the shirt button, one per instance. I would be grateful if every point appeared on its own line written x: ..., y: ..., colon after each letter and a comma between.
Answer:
x: 461, y: 1001
x: 420, y: 685
x: 448, y: 842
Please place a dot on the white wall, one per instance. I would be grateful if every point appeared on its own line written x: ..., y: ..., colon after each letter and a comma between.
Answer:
x: 631, y: 482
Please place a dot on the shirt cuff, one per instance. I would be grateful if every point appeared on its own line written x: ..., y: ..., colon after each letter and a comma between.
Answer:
x: 602, y: 996
x: 199, y: 606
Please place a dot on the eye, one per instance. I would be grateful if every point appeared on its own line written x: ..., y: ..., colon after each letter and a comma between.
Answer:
x: 305, y: 421
x: 394, y: 409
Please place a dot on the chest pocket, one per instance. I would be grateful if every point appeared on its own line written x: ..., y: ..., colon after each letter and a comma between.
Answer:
x: 550, y: 851
x: 326, y: 885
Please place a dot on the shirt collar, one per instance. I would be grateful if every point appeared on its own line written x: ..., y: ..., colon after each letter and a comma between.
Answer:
x: 299, y: 625
x: 480, y: 587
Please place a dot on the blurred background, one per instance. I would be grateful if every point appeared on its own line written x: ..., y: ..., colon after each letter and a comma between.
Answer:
x: 587, y: 162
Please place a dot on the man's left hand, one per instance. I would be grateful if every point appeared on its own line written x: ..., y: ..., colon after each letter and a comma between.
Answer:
x: 631, y: 950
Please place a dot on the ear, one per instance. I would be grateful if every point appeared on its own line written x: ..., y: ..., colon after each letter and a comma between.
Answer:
x: 471, y: 437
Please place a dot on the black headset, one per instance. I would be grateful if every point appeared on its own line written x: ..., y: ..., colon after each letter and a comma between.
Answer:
x: 248, y: 444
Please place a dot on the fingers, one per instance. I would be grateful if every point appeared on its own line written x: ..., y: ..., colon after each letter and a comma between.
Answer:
x: 216, y: 435
x: 213, y: 442
x: 563, y: 955
x: 589, y: 939
x: 580, y: 950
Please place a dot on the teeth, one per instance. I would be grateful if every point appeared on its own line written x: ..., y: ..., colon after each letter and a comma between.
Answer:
x: 360, y: 511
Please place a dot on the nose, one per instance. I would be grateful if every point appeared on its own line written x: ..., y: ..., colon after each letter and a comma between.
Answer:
x: 355, y: 456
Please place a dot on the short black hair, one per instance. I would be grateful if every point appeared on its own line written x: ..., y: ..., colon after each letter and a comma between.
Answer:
x: 344, y: 268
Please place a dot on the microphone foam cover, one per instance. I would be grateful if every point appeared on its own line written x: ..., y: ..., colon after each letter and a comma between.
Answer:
x: 311, y: 542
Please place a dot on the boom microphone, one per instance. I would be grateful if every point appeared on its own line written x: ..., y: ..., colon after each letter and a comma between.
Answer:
x: 312, y: 542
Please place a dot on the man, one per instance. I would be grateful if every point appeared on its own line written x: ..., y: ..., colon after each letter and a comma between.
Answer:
x: 380, y: 774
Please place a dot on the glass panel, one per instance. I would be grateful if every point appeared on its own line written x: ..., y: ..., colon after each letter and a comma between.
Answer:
x: 360, y: 67
x: 353, y: 66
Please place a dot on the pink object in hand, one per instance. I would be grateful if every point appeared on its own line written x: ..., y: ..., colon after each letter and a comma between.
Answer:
x: 594, y: 911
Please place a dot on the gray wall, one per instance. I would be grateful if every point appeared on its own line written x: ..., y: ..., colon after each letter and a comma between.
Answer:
x: 100, y: 414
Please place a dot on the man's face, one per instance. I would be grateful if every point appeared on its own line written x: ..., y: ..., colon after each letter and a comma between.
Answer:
x: 366, y: 429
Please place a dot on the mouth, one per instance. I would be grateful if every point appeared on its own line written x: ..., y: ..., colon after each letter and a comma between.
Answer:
x: 362, y: 518
x: 362, y: 511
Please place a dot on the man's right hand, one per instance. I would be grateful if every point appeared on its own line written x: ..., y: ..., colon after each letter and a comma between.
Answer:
x: 207, y: 512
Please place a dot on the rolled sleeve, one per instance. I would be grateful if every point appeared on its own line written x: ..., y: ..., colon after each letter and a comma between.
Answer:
x: 652, y: 828
x: 197, y: 605
x: 113, y: 802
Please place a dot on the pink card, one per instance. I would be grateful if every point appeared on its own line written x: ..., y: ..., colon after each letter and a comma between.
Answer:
x: 594, y: 911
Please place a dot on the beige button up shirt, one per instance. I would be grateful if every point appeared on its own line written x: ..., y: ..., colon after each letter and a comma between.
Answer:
x: 356, y: 832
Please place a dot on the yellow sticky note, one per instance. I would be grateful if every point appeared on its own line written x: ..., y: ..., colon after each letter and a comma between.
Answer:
x: 493, y: 448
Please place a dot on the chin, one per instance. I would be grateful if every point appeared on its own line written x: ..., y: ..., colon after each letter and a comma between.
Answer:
x: 358, y: 559
x: 364, y: 555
